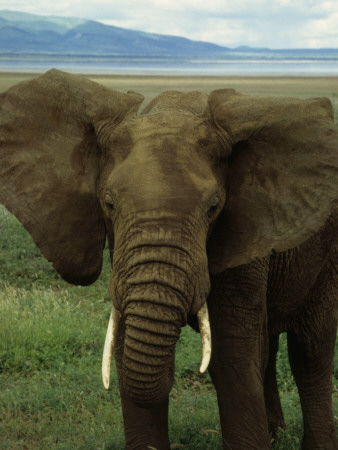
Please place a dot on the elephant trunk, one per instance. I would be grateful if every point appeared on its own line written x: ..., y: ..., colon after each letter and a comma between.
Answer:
x: 148, y: 357
x: 155, y: 287
x: 156, y: 305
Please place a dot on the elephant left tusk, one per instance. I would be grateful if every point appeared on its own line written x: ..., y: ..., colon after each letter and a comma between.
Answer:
x: 204, y: 325
x: 109, y: 345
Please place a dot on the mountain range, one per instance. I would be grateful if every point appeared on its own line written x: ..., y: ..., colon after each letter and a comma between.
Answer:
x: 22, y: 33
x: 28, y: 33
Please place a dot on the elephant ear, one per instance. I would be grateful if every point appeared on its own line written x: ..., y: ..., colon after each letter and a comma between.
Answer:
x: 282, y: 176
x: 49, y: 165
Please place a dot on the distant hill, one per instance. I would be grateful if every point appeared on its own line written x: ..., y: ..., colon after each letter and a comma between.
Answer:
x: 24, y: 34
x: 28, y: 33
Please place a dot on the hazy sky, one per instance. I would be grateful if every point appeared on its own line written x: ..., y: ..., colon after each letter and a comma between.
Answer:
x: 258, y: 23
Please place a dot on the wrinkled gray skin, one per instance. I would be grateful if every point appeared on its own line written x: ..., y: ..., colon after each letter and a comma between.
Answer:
x: 224, y: 198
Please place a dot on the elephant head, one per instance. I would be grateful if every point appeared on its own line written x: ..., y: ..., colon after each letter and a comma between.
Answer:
x: 192, y: 186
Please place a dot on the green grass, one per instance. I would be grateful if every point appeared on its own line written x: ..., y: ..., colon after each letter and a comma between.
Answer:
x: 51, y: 339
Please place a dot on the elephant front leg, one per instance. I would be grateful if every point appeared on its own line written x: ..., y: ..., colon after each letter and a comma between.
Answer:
x: 311, y: 344
x: 272, y: 400
x: 312, y: 369
x: 239, y: 356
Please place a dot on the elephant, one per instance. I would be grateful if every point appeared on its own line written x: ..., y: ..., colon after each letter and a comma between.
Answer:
x: 220, y: 212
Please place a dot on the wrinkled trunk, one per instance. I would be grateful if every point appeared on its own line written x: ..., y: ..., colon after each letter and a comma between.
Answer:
x: 160, y: 276
x: 148, y: 362
x: 156, y: 305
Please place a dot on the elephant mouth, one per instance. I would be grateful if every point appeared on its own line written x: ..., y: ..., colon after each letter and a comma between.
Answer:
x: 111, y: 335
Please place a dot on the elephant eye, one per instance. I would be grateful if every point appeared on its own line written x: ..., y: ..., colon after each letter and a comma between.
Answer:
x: 110, y: 205
x: 213, y: 208
x: 109, y: 202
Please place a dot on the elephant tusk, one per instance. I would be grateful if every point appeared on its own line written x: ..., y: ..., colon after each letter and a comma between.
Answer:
x: 109, y: 345
x: 204, y: 325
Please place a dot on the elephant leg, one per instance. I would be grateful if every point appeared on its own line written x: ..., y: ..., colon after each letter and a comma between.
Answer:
x: 143, y: 427
x: 239, y: 353
x: 272, y: 401
x: 312, y: 369
x: 311, y: 344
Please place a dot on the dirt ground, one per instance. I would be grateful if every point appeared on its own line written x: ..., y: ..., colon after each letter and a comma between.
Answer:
x: 149, y: 86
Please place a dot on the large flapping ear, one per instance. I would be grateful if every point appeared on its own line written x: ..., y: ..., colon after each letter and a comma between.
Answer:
x: 49, y: 165
x: 282, y: 180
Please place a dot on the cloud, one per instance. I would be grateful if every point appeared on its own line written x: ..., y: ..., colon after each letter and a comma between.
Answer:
x: 262, y: 23
x: 318, y: 30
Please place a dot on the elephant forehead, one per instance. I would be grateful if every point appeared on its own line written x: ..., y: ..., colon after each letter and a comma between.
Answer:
x: 164, y: 162
x: 174, y: 142
x: 155, y: 127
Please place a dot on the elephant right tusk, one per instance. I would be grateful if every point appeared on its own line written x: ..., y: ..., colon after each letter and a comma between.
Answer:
x: 109, y: 345
x: 204, y: 325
